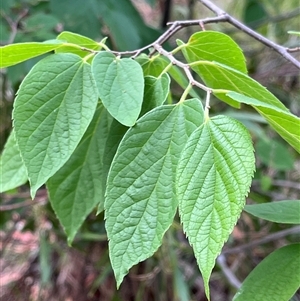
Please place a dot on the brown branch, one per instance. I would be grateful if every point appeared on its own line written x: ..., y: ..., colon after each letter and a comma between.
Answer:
x: 230, y: 276
x: 13, y: 24
x: 9, y: 207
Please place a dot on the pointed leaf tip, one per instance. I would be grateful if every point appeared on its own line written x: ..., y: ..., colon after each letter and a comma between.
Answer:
x: 213, y: 177
x: 140, y: 198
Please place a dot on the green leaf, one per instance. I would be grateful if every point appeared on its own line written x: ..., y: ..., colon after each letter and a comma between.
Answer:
x: 141, y: 200
x: 219, y: 76
x: 76, y: 188
x: 254, y: 11
x: 82, y: 18
x: 155, y: 92
x: 276, y: 278
x: 16, y: 53
x: 40, y: 26
x: 120, y: 84
x: 256, y: 102
x: 155, y: 65
x: 126, y: 25
x: 285, y: 212
x: 53, y: 108
x: 76, y: 39
x: 215, y: 46
x: 12, y: 169
x: 285, y: 123
x: 116, y: 133
x: 213, y: 177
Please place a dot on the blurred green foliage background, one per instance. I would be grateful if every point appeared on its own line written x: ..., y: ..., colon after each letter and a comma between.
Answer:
x: 36, y: 262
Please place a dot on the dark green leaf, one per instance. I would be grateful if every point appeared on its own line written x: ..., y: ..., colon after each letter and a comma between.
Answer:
x: 76, y: 188
x: 155, y: 92
x: 116, y: 133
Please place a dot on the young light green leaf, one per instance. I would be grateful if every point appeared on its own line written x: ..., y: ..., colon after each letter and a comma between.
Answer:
x: 155, y: 92
x: 120, y: 84
x: 12, y: 169
x: 140, y: 199
x: 53, y: 108
x: 255, y: 102
x: 215, y: 46
x: 76, y: 188
x: 285, y: 212
x: 286, y: 125
x: 276, y: 278
x: 16, y: 53
x: 213, y: 177
x: 76, y: 39
x: 219, y: 76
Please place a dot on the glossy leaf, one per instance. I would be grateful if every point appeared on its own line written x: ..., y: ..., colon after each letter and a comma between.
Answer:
x: 12, y: 169
x: 76, y: 188
x: 213, y: 177
x: 285, y: 212
x: 140, y: 197
x: 16, y: 53
x: 120, y: 84
x: 155, y: 92
x: 54, y: 106
x: 215, y: 46
x: 276, y: 278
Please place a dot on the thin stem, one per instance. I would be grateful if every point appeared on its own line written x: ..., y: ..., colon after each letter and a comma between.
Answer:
x: 207, y: 106
x: 9, y: 207
x: 14, y: 24
x: 266, y: 239
x: 185, y: 93
x: 185, y: 67
x: 166, y: 69
x: 221, y: 261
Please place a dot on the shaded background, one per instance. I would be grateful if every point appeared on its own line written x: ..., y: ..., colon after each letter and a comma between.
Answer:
x: 37, y: 264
